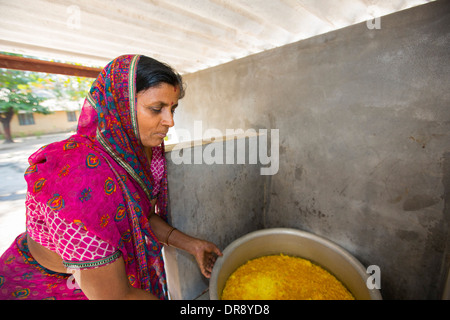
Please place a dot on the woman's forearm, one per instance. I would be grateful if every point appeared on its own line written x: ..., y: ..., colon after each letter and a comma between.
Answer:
x: 109, y: 282
x: 205, y: 252
x: 169, y: 236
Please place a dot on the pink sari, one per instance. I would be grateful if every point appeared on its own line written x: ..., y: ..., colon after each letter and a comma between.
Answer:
x: 98, y: 181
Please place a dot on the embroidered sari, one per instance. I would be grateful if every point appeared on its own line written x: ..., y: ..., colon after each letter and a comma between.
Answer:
x: 89, y: 197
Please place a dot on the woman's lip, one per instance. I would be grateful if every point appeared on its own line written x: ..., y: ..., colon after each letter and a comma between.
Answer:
x: 162, y: 135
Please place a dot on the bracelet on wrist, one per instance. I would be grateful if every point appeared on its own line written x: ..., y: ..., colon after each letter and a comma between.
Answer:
x: 172, y: 229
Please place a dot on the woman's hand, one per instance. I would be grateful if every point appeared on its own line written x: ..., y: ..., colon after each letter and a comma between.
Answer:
x: 206, y: 254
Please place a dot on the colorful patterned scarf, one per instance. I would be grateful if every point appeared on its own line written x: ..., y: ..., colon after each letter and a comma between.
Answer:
x: 100, y: 178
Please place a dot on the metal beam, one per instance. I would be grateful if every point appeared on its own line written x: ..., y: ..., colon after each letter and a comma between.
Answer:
x: 28, y: 64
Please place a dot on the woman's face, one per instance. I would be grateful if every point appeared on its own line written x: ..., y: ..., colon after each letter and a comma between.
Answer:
x: 155, y: 108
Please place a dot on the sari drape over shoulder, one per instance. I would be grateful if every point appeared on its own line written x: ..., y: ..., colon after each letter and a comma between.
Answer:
x: 100, y: 181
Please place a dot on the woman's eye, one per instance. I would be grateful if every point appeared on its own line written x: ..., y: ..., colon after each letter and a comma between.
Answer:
x: 156, y: 110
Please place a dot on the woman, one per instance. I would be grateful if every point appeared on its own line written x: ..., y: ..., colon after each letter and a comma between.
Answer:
x: 97, y: 202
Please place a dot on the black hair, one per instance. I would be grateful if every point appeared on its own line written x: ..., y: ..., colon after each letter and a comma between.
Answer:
x: 151, y: 73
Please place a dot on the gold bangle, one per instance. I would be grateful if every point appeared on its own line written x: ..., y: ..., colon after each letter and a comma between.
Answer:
x: 168, y: 235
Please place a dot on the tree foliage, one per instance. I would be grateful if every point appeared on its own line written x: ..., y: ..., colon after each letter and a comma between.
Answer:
x: 16, y: 92
x: 26, y: 91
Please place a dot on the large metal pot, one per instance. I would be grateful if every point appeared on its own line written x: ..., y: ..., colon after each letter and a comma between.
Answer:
x: 293, y: 242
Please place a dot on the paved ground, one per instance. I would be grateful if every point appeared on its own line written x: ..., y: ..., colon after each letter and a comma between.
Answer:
x: 13, y: 163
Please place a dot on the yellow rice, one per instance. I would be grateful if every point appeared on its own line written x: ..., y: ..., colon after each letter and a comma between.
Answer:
x: 281, y: 277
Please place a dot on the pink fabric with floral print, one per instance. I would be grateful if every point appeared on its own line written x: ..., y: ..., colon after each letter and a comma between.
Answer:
x: 157, y: 168
x: 72, y: 241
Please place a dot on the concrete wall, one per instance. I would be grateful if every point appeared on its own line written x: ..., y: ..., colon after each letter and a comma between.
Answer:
x: 364, y: 118
x: 217, y: 202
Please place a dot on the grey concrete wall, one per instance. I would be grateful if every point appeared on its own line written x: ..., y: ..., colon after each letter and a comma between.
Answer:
x: 364, y: 119
x: 216, y: 202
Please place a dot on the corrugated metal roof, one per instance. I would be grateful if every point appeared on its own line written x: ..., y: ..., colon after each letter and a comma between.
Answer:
x: 190, y: 35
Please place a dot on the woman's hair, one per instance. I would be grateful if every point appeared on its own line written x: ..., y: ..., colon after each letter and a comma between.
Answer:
x: 151, y: 73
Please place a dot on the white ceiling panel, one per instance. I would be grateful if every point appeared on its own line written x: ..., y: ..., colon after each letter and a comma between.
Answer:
x: 190, y: 35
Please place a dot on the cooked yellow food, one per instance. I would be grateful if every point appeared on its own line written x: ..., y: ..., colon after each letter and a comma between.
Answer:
x: 281, y: 277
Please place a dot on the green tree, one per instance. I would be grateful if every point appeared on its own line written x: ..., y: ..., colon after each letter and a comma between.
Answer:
x: 16, y: 94
x: 25, y: 91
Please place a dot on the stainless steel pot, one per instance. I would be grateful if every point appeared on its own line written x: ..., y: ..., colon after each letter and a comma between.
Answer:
x: 293, y: 242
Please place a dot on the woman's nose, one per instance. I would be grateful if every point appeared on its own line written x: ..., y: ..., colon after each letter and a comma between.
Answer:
x: 167, y: 118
